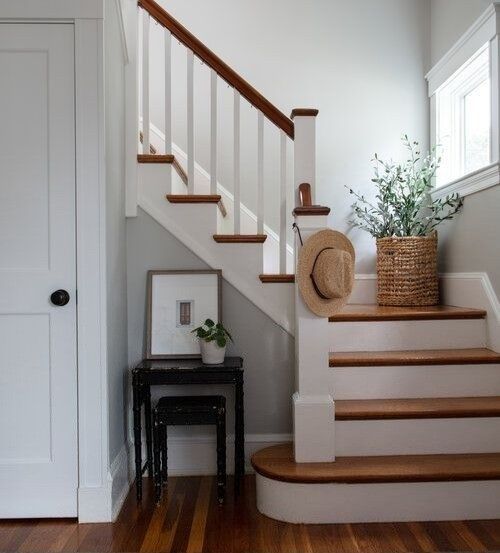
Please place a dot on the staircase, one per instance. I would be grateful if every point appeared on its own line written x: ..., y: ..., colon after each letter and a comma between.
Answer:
x: 249, y: 245
x: 396, y: 410
x: 416, y: 432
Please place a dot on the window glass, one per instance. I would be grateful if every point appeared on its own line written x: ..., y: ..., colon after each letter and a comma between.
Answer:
x: 463, y: 119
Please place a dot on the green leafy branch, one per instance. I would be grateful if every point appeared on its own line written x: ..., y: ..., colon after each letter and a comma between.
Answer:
x: 403, y: 205
x: 213, y: 332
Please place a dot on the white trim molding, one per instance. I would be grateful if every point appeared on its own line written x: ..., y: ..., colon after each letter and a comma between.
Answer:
x: 476, y: 181
x: 103, y: 503
x: 474, y: 290
x: 91, y: 268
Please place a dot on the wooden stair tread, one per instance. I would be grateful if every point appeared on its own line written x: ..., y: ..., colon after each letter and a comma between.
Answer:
x: 240, y: 238
x: 155, y: 158
x: 414, y: 357
x: 426, y: 408
x: 373, y: 312
x: 277, y: 462
x: 277, y: 278
x: 193, y: 198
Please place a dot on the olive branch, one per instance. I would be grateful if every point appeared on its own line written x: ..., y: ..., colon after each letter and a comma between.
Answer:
x: 403, y: 205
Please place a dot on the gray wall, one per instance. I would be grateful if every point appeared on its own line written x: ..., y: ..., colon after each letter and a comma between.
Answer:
x: 116, y: 266
x: 449, y: 20
x: 470, y: 242
x: 266, y: 348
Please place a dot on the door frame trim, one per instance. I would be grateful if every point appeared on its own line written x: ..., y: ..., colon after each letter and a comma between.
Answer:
x: 94, y: 477
x: 94, y: 490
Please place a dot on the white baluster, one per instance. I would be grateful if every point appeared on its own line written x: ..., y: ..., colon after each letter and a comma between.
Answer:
x: 145, y: 82
x: 282, y: 203
x: 260, y: 173
x: 168, y: 104
x: 190, y: 121
x: 213, y: 132
x: 236, y: 163
x: 168, y: 92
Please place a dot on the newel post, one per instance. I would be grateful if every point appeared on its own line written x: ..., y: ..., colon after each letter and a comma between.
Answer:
x: 304, y: 120
x: 313, y: 405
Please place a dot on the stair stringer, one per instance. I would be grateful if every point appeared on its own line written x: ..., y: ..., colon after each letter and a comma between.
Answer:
x: 194, y: 225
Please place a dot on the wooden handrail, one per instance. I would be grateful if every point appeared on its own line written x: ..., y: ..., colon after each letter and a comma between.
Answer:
x: 221, y: 68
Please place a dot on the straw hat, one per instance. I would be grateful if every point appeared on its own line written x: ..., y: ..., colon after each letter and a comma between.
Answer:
x: 325, y: 272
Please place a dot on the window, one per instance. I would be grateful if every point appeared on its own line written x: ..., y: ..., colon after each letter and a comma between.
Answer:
x: 463, y: 119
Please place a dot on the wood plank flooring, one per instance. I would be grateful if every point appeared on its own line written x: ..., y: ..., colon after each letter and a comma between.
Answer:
x: 189, y: 520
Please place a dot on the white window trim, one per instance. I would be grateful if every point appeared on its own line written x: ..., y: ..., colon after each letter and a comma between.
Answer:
x: 485, y: 29
x: 483, y: 178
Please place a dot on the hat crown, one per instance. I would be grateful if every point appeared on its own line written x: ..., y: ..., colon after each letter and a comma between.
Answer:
x: 333, y: 273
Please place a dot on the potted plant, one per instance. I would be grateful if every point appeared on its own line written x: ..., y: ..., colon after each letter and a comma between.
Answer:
x: 213, y: 339
x: 403, y: 218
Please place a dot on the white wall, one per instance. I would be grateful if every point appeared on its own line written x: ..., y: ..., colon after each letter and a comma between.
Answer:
x: 361, y: 64
x: 115, y: 228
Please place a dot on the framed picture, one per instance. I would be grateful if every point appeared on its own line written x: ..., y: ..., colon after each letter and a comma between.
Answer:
x: 178, y: 302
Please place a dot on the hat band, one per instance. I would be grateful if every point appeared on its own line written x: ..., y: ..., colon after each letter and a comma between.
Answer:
x: 312, y: 274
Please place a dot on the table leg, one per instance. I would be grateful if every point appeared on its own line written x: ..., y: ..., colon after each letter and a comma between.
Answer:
x: 136, y: 394
x: 149, y: 429
x: 239, y: 436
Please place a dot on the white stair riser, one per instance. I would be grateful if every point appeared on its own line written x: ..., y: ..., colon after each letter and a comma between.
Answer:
x: 399, y: 502
x: 404, y: 335
x: 415, y: 382
x: 417, y: 436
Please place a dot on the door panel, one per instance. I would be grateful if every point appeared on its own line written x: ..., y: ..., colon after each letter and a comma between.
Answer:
x: 38, y: 372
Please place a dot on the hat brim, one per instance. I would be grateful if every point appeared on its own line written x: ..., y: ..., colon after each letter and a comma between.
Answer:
x: 312, y: 246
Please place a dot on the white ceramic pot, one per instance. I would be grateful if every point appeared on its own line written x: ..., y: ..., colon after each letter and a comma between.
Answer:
x: 211, y: 353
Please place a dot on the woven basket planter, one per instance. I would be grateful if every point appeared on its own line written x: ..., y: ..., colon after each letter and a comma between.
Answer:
x: 407, y: 270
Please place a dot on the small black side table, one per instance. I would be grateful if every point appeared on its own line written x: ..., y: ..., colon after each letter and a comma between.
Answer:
x: 184, y: 371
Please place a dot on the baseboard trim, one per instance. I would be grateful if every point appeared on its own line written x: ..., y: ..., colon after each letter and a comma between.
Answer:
x: 474, y: 290
x: 196, y: 455
x: 103, y: 503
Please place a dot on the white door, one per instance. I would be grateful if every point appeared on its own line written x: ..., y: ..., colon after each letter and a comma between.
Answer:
x: 38, y: 372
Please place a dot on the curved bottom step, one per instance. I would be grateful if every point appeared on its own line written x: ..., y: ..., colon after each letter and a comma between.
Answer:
x: 371, y: 489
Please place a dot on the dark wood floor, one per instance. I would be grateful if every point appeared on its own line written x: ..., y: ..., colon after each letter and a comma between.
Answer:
x: 190, y: 520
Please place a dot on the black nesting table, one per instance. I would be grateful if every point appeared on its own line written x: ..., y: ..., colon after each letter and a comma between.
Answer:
x: 184, y: 371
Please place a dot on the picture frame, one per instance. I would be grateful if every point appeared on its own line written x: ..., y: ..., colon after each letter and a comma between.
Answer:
x: 177, y: 302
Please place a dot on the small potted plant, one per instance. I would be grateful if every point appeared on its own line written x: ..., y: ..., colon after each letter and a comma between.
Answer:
x: 403, y: 218
x: 213, y: 341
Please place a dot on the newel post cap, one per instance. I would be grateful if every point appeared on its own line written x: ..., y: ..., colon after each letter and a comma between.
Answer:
x: 304, y: 112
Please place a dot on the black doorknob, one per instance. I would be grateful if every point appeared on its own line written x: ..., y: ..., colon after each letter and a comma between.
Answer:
x: 59, y: 298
